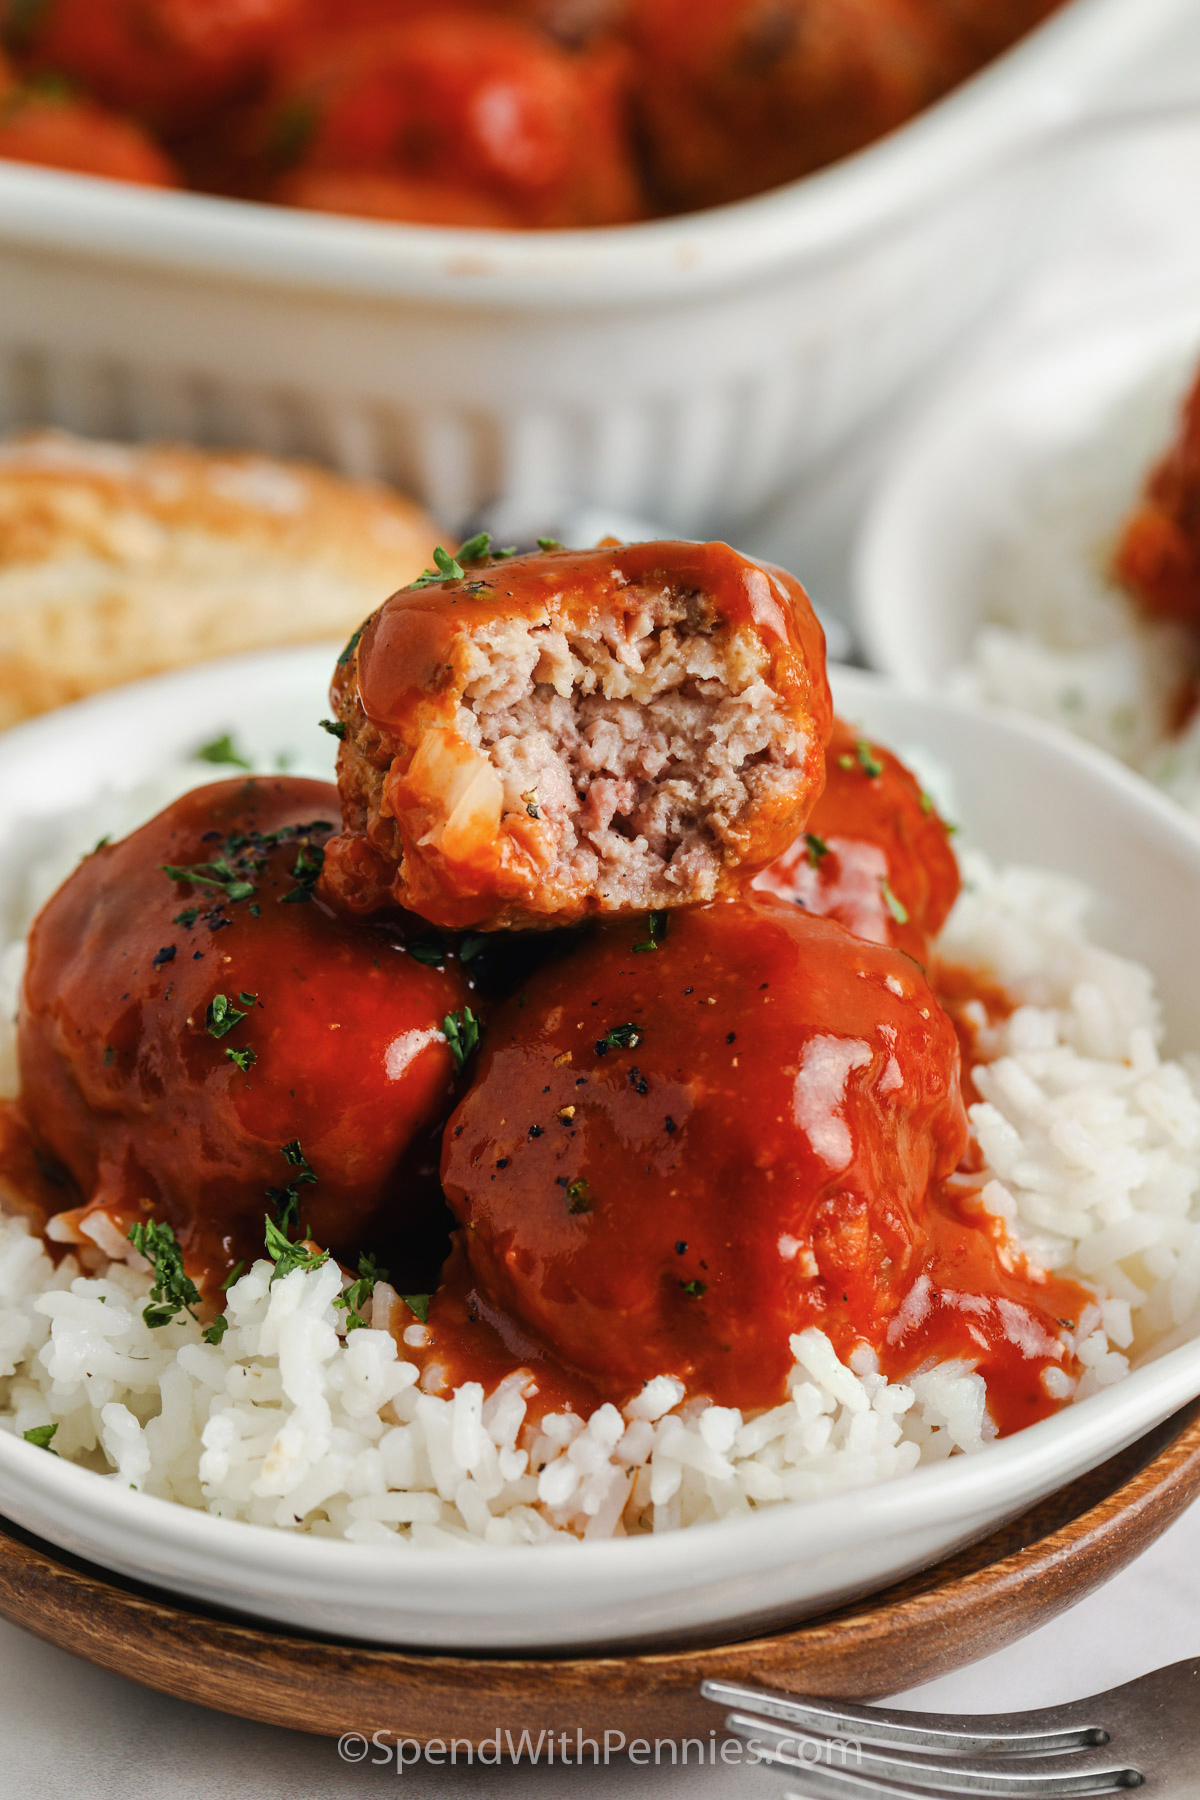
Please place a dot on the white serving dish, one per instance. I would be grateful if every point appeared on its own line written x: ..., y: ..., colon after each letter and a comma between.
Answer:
x: 689, y: 369
x: 966, y: 477
x: 1023, y: 793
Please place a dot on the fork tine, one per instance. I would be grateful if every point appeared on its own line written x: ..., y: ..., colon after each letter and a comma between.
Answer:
x: 909, y: 1730
x: 979, y: 1775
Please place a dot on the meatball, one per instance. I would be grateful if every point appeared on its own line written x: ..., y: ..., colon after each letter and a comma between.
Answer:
x: 60, y: 131
x: 463, y: 117
x: 605, y: 731
x: 1158, y: 557
x: 876, y: 855
x: 201, y: 1040
x: 736, y: 96
x: 984, y: 28
x: 171, y: 62
x: 672, y: 1158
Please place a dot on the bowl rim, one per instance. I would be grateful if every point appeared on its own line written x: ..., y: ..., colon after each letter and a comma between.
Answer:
x: 774, y: 1534
x: 969, y: 131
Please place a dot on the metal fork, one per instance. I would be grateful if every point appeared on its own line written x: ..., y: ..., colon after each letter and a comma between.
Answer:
x: 1143, y: 1735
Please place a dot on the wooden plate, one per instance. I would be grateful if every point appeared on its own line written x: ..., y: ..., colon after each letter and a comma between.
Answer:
x: 979, y: 1600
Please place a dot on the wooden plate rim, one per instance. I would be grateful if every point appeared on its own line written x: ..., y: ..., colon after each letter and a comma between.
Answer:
x: 936, y: 1621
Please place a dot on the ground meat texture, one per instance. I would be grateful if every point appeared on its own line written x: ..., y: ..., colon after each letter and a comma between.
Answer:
x: 1158, y: 556
x: 177, y: 1033
x: 605, y: 731
x: 876, y: 854
x: 671, y: 1160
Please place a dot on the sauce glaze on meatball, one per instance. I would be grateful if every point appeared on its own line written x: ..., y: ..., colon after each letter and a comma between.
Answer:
x: 604, y: 731
x: 672, y: 1159
x: 191, y: 1045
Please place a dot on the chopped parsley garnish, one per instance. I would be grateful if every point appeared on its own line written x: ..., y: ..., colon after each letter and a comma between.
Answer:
x: 244, y: 1059
x: 694, y: 1289
x: 477, y: 549
x: 351, y: 647
x: 233, y: 1274
x: 288, y: 1256
x: 419, y: 1304
x: 173, y: 1291
x: 222, y: 1016
x: 926, y: 802
x: 335, y: 727
x: 359, y: 1292
x: 216, y: 1330
x: 100, y: 844
x: 426, y: 951
x: 461, y: 1031
x: 580, y: 1198
x: 896, y: 907
x: 868, y: 761
x: 549, y: 544
x: 818, y: 849
x: 293, y: 1154
x: 310, y: 860
x: 286, y: 1200
x: 471, y: 945
x: 242, y: 857
x: 656, y: 931
x: 445, y: 568
x: 218, y: 874
x: 619, y: 1037
x: 292, y: 130
x: 187, y: 918
x: 42, y: 1436
x: 223, y: 750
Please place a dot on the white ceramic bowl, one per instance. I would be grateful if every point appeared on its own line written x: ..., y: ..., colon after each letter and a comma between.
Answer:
x: 689, y: 369
x: 1023, y: 793
x: 967, y: 479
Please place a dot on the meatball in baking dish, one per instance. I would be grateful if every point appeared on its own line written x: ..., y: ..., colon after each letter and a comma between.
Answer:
x: 530, y: 741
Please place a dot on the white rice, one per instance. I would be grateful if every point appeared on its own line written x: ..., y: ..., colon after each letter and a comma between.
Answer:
x: 1059, y: 639
x: 1094, y: 1149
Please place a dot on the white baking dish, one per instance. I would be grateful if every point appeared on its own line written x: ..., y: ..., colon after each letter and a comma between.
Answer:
x: 689, y: 369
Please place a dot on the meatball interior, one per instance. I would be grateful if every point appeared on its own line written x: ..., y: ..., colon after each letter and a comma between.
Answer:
x: 606, y: 731
x: 199, y: 1034
x: 876, y: 855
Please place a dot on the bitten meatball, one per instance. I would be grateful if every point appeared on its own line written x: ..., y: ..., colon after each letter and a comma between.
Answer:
x: 203, y: 1042
x: 603, y: 731
x: 673, y: 1158
x: 876, y: 855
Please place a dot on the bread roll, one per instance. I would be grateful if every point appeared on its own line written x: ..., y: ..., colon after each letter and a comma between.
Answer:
x: 119, y: 560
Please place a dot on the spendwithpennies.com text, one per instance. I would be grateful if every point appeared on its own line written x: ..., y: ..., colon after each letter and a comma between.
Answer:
x: 569, y: 1748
